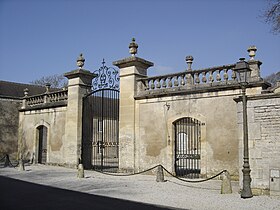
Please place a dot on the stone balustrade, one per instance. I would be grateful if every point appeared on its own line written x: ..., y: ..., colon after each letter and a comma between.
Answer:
x: 45, y: 98
x: 221, y: 74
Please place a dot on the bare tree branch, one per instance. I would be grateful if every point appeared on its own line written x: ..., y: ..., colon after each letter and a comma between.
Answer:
x: 56, y: 81
x: 272, y: 16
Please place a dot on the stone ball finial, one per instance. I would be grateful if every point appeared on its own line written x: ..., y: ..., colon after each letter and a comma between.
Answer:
x: 25, y: 92
x: 252, y: 52
x: 133, y: 47
x: 80, y: 61
x: 189, y: 60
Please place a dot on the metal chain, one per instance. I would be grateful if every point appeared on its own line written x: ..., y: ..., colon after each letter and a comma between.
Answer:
x: 3, y: 158
x: 141, y: 172
x: 6, y: 158
x: 193, y: 181
x: 184, y: 180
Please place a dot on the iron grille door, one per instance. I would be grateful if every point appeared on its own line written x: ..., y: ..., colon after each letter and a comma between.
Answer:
x: 187, y: 147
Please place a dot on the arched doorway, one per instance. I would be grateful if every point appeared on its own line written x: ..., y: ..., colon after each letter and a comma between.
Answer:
x: 42, y: 134
x: 187, y: 147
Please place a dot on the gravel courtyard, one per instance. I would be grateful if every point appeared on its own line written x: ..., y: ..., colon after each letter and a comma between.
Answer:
x: 143, y: 188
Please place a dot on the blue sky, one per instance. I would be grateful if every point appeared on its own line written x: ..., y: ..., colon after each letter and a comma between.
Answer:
x: 44, y: 37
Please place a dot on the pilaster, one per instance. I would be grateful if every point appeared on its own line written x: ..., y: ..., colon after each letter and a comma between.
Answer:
x: 79, y: 84
x: 131, y: 69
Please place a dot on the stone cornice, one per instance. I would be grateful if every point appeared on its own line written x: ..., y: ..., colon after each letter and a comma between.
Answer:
x: 133, y: 61
x: 259, y: 97
x: 44, y: 106
x: 194, y: 90
x: 78, y: 73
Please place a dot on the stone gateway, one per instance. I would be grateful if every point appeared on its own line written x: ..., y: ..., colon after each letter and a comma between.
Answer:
x: 190, y: 122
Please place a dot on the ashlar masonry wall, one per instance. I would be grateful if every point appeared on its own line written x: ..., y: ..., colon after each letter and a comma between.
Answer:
x: 264, y: 142
x: 54, y: 120
x: 149, y: 107
x: 155, y: 134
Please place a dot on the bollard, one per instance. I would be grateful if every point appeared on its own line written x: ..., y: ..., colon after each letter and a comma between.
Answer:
x: 226, y: 183
x: 21, y: 165
x: 81, y: 173
x: 160, y: 176
x: 7, y: 161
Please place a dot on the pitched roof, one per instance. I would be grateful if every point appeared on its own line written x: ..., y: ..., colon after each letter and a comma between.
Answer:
x: 15, y: 90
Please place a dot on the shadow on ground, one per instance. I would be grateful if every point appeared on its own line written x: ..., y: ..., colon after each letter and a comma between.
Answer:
x: 20, y: 195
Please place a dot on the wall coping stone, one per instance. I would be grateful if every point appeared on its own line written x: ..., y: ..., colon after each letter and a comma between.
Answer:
x: 44, y: 106
x: 195, y: 89
x: 78, y: 72
x: 259, y: 97
x: 133, y: 61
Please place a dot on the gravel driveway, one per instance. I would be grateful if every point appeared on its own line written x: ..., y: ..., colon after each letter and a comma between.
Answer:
x: 144, y: 188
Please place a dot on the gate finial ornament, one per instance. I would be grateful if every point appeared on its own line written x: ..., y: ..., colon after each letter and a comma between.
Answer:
x: 252, y: 51
x: 133, y: 47
x: 80, y: 61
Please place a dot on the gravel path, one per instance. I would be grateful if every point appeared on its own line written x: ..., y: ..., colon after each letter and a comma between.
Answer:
x: 144, y: 188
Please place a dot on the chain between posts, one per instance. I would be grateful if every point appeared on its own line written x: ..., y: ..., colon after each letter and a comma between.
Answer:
x: 8, y: 161
x: 2, y: 158
x: 184, y: 180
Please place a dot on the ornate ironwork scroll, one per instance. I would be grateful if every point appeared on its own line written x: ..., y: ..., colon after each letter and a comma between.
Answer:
x: 107, y: 77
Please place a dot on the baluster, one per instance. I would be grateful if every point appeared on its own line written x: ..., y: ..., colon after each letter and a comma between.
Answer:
x: 197, y: 80
x: 211, y: 77
x: 169, y: 81
x: 189, y: 78
x: 163, y: 83
x: 152, y: 84
x: 146, y: 85
x: 183, y: 80
x: 158, y: 83
x: 226, y: 75
x: 218, y: 76
x: 176, y: 83
x: 233, y: 75
x: 204, y: 79
x: 46, y: 98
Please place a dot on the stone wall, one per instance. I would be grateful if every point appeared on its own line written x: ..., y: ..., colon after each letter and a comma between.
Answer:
x: 149, y: 106
x: 54, y: 120
x: 264, y: 142
x: 155, y: 139
x: 9, y: 126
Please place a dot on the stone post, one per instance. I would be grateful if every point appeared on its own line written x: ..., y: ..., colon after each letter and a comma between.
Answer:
x: 254, y: 65
x: 24, y: 103
x: 79, y: 84
x: 160, y: 175
x: 226, y: 183
x: 131, y: 69
x: 21, y: 165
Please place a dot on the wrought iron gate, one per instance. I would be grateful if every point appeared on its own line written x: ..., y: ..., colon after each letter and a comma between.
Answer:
x: 100, y: 146
x: 187, y: 147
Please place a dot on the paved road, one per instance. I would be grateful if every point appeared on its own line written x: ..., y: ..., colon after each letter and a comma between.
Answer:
x: 21, y: 195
